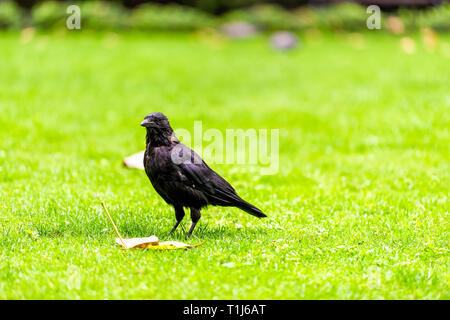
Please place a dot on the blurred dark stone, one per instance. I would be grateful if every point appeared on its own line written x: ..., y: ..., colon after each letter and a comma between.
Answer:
x: 239, y: 29
x: 284, y: 40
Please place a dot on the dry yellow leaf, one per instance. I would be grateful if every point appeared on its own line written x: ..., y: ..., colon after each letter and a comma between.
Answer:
x: 151, y: 242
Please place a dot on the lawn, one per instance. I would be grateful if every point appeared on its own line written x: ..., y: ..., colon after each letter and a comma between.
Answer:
x: 358, y: 209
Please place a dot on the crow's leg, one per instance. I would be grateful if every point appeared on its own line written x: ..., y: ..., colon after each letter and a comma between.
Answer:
x: 195, y: 216
x: 179, y: 215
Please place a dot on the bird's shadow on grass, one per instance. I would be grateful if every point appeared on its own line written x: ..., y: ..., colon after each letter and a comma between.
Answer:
x: 207, y: 232
x: 203, y: 232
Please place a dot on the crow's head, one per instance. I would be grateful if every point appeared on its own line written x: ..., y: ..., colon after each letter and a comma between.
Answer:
x: 159, y: 131
x: 156, y: 120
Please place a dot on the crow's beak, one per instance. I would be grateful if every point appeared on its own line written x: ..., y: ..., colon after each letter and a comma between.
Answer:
x: 147, y: 123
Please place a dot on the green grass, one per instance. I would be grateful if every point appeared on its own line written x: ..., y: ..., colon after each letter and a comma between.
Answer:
x: 358, y: 210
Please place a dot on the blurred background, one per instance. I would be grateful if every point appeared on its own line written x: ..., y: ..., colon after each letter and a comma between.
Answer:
x: 200, y: 14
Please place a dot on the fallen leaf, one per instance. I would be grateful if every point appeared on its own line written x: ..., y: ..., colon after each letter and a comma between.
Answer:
x: 137, y: 242
x: 153, y: 244
x: 148, y: 242
x: 229, y: 264
x: 136, y: 160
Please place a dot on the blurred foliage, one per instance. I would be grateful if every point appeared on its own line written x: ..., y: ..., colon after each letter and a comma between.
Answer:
x: 272, y: 17
x: 101, y: 15
x: 169, y: 17
x: 347, y: 16
x: 436, y: 18
x: 409, y: 18
x: 49, y: 14
x: 265, y: 16
x: 305, y: 17
x: 10, y: 15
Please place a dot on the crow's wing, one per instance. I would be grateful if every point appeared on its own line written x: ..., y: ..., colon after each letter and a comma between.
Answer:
x: 195, y: 173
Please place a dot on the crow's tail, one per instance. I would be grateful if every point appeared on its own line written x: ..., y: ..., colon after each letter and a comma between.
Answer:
x: 229, y: 198
x: 247, y: 207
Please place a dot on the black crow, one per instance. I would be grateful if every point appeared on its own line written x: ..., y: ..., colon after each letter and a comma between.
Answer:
x: 181, y: 177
